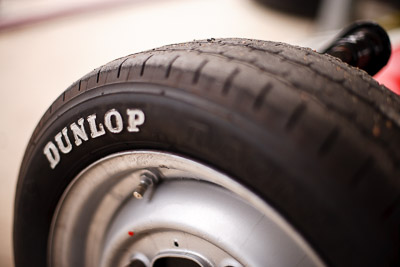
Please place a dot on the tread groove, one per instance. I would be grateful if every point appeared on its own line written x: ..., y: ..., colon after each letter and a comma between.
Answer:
x: 229, y: 80
x: 197, y: 73
x: 98, y: 76
x: 168, y: 72
x: 295, y: 116
x: 79, y: 86
x: 120, y: 67
x: 63, y: 96
x: 328, y: 143
x: 144, y: 65
x: 261, y: 96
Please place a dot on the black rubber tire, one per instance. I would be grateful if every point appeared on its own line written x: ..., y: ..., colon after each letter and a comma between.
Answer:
x: 317, y: 139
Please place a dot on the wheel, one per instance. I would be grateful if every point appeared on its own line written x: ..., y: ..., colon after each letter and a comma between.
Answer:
x: 226, y: 152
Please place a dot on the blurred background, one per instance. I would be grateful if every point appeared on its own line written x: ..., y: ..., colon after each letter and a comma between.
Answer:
x: 45, y: 45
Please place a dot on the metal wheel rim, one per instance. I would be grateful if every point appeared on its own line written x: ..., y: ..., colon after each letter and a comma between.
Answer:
x: 192, y: 211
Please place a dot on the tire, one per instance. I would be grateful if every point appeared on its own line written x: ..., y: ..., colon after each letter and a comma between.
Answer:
x: 314, y: 138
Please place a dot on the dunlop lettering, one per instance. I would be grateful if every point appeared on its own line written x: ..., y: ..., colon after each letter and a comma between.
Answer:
x: 113, y: 123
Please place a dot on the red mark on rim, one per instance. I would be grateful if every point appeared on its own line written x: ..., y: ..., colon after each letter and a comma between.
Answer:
x: 131, y: 233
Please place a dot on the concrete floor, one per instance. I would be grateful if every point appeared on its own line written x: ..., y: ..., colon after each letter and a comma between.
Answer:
x: 37, y: 62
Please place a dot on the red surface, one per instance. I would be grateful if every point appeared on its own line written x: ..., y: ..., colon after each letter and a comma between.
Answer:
x: 390, y: 74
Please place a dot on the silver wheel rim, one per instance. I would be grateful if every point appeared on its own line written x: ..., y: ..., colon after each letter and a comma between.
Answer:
x: 189, y: 212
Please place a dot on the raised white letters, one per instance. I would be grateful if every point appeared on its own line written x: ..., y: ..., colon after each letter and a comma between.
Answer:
x: 94, y: 132
x: 113, y: 122
x: 136, y: 118
x: 52, y: 154
x: 79, y: 132
x: 118, y: 121
x: 64, y: 149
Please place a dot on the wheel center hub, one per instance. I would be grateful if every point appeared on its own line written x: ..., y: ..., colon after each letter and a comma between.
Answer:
x: 192, y: 215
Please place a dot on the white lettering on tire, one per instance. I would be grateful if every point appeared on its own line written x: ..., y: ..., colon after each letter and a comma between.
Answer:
x: 94, y: 132
x: 136, y: 118
x: 118, y: 121
x: 64, y: 149
x: 113, y: 122
x: 79, y: 132
x: 52, y: 154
